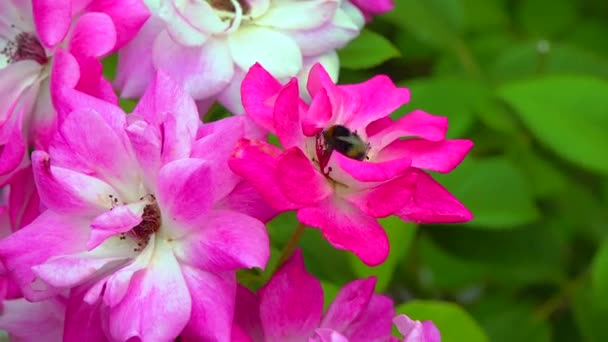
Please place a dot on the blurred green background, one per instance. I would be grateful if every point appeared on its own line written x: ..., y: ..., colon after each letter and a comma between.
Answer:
x: 527, y: 81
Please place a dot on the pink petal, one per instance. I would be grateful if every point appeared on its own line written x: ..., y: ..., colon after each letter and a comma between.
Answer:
x: 319, y: 79
x: 67, y: 191
x: 225, y: 241
x: 431, y: 333
x: 375, y: 323
x: 247, y: 314
x: 47, y: 236
x: 371, y: 100
x: 115, y: 221
x: 432, y: 203
x: 53, y: 19
x: 183, y: 193
x: 135, y: 64
x: 26, y: 321
x: 13, y: 151
x: 384, y: 199
x: 128, y: 17
x: 366, y: 171
x: 213, y: 297
x: 328, y: 335
x: 299, y: 180
x: 157, y: 305
x: 103, y: 154
x: 291, y: 303
x: 230, y: 97
x: 147, y: 146
x: 349, y: 304
x: 203, y: 71
x: 287, y: 116
x: 24, y: 204
x: 245, y: 199
x: 346, y: 227
x: 416, y: 331
x: 319, y: 113
x: 384, y: 131
x: 166, y: 106
x: 258, y: 91
x: 216, y: 142
x: 93, y: 35
x: 256, y: 162
x: 83, y: 321
x: 441, y: 156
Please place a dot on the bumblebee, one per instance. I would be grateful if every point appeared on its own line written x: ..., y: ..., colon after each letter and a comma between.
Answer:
x: 341, y: 139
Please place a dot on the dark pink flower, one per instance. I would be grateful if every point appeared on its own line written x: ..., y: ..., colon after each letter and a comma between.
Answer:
x: 141, y: 225
x: 31, y: 33
x: 344, y: 161
x: 416, y: 331
x: 290, y: 308
x: 369, y: 8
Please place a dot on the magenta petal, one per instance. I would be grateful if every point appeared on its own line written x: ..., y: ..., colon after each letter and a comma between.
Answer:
x: 432, y: 203
x: 287, y: 116
x: 349, y: 304
x: 245, y: 199
x: 431, y: 333
x: 83, y: 321
x: 157, y: 305
x: 346, y: 227
x: 136, y: 68
x: 384, y: 199
x: 13, y: 151
x: 258, y: 91
x: 225, y: 241
x: 112, y: 222
x: 328, y: 335
x: 67, y: 191
x: 384, y: 131
x: 416, y: 331
x: 176, y: 197
x: 23, y: 205
x: 371, y: 100
x: 213, y: 301
x: 247, y: 315
x: 29, y: 322
x: 442, y: 156
x: 147, y: 146
x: 256, y: 162
x: 128, y: 17
x: 366, y: 171
x: 291, y: 303
x: 375, y: 323
x: 53, y: 19
x: 319, y: 79
x: 299, y: 180
x: 93, y: 35
x: 318, y: 114
x: 47, y: 236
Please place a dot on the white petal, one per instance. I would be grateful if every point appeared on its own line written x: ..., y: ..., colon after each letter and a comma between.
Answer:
x: 299, y: 15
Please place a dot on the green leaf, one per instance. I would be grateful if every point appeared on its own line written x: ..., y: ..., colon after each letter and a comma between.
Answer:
x: 495, y: 192
x: 591, y: 318
x: 547, y: 17
x: 569, y: 114
x: 400, y: 235
x: 435, y: 22
x: 109, y: 66
x: 516, y: 257
x: 499, y: 314
x: 453, y: 322
x: 599, y: 276
x: 484, y: 15
x: 459, y: 100
x: 368, y: 50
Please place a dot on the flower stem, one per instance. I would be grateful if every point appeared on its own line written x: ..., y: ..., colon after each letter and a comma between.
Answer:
x: 291, y: 245
x: 561, y: 298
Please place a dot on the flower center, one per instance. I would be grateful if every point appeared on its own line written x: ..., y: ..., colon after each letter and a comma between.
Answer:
x: 150, y: 224
x: 342, y: 140
x: 228, y: 6
x: 25, y: 46
x: 232, y: 12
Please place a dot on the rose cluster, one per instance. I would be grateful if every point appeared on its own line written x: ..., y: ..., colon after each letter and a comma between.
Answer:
x: 124, y: 227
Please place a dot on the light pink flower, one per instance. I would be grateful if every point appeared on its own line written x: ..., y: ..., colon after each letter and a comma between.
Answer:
x: 140, y: 225
x: 209, y: 45
x: 290, y: 308
x: 369, y: 8
x: 31, y: 32
x: 344, y: 163
x: 25, y: 321
x: 416, y: 331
